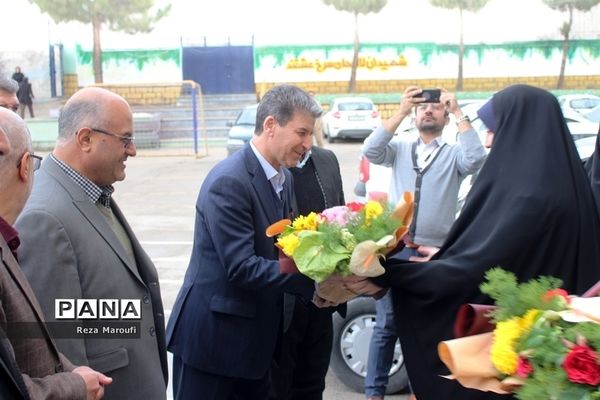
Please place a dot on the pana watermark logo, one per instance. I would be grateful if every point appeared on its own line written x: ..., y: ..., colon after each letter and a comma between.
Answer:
x: 89, y: 309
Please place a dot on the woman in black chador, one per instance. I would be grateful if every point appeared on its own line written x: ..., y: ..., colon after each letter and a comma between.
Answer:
x: 530, y: 211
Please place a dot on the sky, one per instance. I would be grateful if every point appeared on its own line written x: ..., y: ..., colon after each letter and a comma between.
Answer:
x: 275, y: 22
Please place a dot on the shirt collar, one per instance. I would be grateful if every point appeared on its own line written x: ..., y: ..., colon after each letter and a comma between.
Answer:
x: 94, y: 192
x: 10, y: 236
x: 277, y: 178
x: 437, y: 142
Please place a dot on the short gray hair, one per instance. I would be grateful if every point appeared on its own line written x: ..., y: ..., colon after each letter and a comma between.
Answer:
x: 78, y: 114
x: 20, y: 142
x: 281, y: 102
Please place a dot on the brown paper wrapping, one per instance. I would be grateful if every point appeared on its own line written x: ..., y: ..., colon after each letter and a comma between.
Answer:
x: 468, y: 359
x: 334, y: 291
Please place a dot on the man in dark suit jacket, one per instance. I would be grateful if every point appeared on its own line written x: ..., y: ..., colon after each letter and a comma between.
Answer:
x: 30, y: 364
x: 227, y: 315
x: 78, y: 245
x: 300, y: 368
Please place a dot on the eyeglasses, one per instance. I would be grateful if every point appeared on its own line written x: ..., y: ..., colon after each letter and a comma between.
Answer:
x: 126, y: 140
x: 37, y: 161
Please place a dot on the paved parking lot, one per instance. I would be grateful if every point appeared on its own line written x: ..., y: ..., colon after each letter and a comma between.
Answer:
x: 158, y: 197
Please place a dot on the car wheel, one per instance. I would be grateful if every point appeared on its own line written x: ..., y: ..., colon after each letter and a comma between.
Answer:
x: 351, y: 339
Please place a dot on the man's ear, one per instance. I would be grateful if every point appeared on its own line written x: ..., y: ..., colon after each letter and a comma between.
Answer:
x: 84, y: 138
x: 269, y: 124
x: 25, y: 167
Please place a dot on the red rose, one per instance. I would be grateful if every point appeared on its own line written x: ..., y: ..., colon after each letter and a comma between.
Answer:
x: 524, y: 368
x: 557, y: 292
x: 355, y: 206
x: 581, y: 366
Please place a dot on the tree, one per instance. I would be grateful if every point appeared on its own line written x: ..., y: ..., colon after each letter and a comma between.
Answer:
x: 129, y: 16
x: 356, y: 7
x: 462, y: 5
x: 565, y: 29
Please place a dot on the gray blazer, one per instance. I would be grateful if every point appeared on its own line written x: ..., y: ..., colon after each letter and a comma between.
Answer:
x: 68, y: 250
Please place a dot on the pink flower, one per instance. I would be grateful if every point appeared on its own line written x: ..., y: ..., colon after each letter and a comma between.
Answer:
x: 338, y: 215
x: 524, y: 368
x: 581, y: 366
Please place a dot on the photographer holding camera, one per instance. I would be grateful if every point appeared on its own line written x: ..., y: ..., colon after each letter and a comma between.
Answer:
x: 433, y: 170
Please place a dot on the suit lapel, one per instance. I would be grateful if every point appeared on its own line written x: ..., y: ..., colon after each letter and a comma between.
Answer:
x: 91, y: 214
x: 99, y: 223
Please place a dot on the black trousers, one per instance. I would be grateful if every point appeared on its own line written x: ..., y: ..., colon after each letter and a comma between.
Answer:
x: 22, y: 109
x: 299, y: 371
x: 190, y: 383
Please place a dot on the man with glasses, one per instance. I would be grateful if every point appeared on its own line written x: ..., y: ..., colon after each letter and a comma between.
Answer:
x: 434, y: 170
x: 8, y: 94
x: 78, y: 245
x: 31, y: 366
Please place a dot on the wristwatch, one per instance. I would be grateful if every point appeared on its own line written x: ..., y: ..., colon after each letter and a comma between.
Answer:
x: 463, y: 118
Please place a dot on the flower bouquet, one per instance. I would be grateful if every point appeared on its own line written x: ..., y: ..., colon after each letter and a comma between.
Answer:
x: 545, y: 344
x: 342, y: 240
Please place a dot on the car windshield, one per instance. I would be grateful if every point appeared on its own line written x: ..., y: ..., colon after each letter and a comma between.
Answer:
x: 247, y: 117
x: 355, y: 106
x: 585, y: 103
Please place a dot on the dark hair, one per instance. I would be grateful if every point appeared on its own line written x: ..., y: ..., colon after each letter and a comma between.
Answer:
x: 281, y: 102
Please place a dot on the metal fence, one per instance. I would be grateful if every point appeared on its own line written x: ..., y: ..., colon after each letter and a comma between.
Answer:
x: 168, y: 118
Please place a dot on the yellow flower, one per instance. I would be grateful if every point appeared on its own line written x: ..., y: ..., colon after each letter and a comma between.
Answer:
x: 528, y: 320
x: 288, y: 243
x: 306, y: 223
x: 373, y: 209
x: 503, y: 354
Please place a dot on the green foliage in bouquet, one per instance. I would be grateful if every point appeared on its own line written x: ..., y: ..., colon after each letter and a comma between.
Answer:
x: 513, y: 299
x: 540, y: 341
x: 323, y: 244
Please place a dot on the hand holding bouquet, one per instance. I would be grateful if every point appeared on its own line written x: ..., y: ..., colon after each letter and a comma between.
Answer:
x: 343, y: 240
x: 545, y: 344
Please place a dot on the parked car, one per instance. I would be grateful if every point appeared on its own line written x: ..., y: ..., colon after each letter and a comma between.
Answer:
x: 578, y: 102
x: 351, y: 339
x: 350, y: 117
x: 585, y: 147
x: 242, y: 129
x: 593, y: 114
x: 579, y: 125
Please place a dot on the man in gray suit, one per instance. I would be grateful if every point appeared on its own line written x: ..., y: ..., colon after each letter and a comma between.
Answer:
x: 78, y: 245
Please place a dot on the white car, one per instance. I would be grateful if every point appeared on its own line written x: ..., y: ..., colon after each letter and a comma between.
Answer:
x: 242, y: 129
x: 586, y: 146
x: 579, y: 126
x: 578, y: 102
x: 350, y: 117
